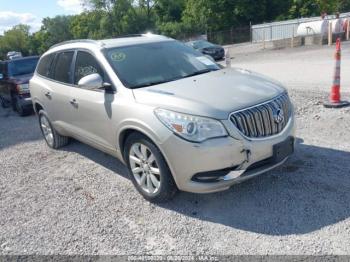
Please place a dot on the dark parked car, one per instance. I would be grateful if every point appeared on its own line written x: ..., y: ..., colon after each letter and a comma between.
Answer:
x: 215, y: 51
x: 14, y: 83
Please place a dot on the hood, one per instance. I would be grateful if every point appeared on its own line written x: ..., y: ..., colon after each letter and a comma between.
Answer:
x: 21, y: 79
x: 215, y: 94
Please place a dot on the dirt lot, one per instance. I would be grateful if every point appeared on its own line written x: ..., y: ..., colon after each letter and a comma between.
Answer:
x: 79, y: 201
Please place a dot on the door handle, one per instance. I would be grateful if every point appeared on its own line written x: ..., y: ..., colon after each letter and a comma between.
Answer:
x: 48, y: 95
x: 73, y: 102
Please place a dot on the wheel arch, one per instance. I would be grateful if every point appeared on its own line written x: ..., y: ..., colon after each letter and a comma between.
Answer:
x: 127, y: 131
x: 37, y: 107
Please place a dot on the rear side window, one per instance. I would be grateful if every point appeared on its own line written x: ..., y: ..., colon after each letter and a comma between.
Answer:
x: 44, y: 65
x: 85, y: 65
x: 62, y: 71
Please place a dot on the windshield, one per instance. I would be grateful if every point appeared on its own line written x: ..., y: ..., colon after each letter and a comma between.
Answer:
x: 201, y: 44
x: 22, y: 66
x: 155, y: 63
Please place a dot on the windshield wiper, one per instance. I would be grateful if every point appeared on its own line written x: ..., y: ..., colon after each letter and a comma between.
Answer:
x: 200, y: 72
x: 173, y: 79
x: 152, y: 83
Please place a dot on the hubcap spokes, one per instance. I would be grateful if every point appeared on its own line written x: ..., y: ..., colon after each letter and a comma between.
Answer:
x: 47, y: 131
x: 144, y: 168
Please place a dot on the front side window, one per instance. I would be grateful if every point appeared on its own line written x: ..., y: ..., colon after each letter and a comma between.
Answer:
x: 62, y: 71
x: 22, y: 66
x: 155, y: 63
x: 85, y: 65
x: 44, y: 65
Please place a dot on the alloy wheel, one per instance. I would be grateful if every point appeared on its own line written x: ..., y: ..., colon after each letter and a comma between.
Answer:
x: 144, y: 168
x: 47, y: 130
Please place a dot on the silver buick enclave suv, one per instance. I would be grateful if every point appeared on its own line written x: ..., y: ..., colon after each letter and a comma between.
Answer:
x: 173, y: 116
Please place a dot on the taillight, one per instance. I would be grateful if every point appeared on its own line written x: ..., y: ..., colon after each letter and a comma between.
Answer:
x: 22, y: 88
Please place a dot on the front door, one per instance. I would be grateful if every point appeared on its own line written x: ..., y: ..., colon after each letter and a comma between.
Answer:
x: 92, y: 111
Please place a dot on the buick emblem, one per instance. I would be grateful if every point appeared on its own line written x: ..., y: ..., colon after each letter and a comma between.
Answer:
x: 278, y: 115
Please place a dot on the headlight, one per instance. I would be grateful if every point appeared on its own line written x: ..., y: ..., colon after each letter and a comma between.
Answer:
x: 192, y: 128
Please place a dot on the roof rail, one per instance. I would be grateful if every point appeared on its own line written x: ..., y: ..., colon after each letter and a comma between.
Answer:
x: 129, y: 35
x: 75, y: 41
x: 135, y: 35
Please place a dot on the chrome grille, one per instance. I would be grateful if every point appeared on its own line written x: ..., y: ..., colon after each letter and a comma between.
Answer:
x: 263, y: 120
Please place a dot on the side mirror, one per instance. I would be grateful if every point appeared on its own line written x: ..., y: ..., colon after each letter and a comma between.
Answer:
x: 1, y: 76
x: 90, y: 82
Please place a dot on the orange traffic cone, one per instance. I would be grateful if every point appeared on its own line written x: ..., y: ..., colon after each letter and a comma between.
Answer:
x: 334, y: 98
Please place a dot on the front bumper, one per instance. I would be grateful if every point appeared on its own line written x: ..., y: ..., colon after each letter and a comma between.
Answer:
x: 246, y: 158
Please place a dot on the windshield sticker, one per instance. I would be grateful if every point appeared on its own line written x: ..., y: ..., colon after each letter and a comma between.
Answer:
x: 118, y: 56
x: 205, y: 60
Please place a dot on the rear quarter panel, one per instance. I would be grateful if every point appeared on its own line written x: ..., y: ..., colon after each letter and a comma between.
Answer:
x: 35, y: 91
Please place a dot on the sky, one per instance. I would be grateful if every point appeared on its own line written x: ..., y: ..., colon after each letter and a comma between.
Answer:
x: 31, y: 12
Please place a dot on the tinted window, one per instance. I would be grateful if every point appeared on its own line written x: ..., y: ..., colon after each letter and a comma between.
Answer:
x: 155, y: 63
x: 85, y: 65
x: 44, y: 65
x: 62, y: 72
x: 22, y: 66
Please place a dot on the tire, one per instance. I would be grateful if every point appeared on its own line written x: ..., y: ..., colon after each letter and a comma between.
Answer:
x: 13, y: 102
x: 52, y: 137
x: 3, y: 102
x: 150, y: 169
x: 17, y: 107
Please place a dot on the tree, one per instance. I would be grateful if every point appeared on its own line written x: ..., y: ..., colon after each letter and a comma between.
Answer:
x: 175, y: 18
x: 305, y: 8
x: 343, y: 6
x: 105, y: 5
x: 53, y: 31
x: 208, y: 15
x: 121, y: 16
x: 168, y: 17
x: 195, y: 15
x: 146, y: 6
x: 169, y: 11
x: 124, y: 19
x: 16, y: 39
x: 87, y: 25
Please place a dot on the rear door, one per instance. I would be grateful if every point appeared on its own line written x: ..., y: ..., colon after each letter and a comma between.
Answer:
x: 92, y: 113
x: 41, y: 90
x: 56, y: 88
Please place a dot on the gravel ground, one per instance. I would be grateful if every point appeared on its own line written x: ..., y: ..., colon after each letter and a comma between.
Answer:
x: 79, y: 201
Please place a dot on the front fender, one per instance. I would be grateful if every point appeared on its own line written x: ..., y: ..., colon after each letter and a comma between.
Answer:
x: 153, y: 129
